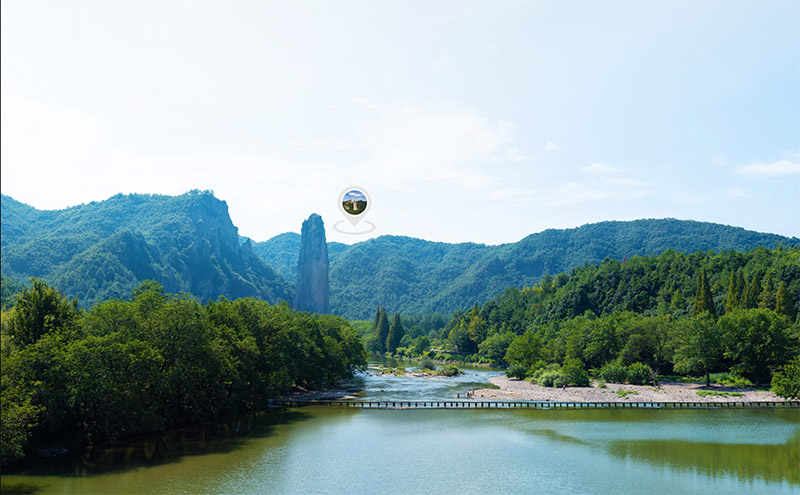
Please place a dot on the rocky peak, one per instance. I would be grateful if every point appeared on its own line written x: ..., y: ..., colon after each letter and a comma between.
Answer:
x: 312, y: 268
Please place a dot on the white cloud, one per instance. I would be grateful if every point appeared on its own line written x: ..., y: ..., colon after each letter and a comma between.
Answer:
x: 401, y: 146
x: 602, y: 169
x: 551, y: 146
x: 623, y: 181
x: 789, y: 166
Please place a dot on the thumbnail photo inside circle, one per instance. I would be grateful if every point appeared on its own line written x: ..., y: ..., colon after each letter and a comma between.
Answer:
x: 354, y: 202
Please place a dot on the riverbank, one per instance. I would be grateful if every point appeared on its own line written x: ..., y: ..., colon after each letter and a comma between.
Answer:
x: 344, y: 389
x: 667, y: 391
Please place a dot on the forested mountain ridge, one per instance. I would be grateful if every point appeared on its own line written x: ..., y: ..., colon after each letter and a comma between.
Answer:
x: 103, y: 250
x: 411, y: 275
x: 188, y: 243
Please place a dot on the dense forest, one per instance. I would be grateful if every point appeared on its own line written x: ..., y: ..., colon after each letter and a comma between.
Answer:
x: 103, y: 250
x: 72, y: 377
x: 414, y: 276
x: 681, y: 313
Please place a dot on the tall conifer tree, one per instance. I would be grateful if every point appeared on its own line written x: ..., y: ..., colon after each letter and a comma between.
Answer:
x: 752, y: 291
x: 396, y: 333
x: 732, y: 300
x: 377, y: 317
x: 767, y: 298
x: 703, y: 300
x: 383, y: 331
x: 783, y: 302
x: 740, y: 281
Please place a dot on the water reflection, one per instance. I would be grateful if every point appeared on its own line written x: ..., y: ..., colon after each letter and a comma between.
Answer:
x: 154, y: 450
x: 747, y: 462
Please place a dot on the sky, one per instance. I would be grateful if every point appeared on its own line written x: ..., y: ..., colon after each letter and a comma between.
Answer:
x: 354, y: 195
x: 464, y: 121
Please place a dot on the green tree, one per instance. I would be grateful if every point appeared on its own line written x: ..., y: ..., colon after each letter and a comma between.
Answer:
x: 476, y: 329
x: 575, y: 373
x: 734, y: 292
x: 459, y: 337
x: 420, y: 344
x: 752, y: 292
x: 396, y: 333
x: 115, y: 387
x: 383, y: 331
x: 496, y: 345
x: 703, y: 301
x: 377, y: 319
x: 701, y: 346
x: 758, y: 341
x: 40, y: 309
x: 525, y: 350
x: 640, y: 374
x: 767, y: 297
x: 19, y: 416
x: 786, y: 382
x: 783, y: 302
x: 605, y: 341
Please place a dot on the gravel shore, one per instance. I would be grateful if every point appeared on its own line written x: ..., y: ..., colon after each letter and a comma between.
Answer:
x: 667, y: 391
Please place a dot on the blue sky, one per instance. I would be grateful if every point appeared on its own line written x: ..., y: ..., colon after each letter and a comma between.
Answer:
x: 354, y: 194
x: 502, y: 118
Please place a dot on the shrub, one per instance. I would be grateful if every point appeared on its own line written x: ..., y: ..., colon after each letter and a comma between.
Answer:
x: 552, y: 378
x: 730, y: 379
x: 706, y: 393
x: 426, y: 363
x: 449, y: 370
x: 614, y: 372
x: 516, y: 371
x: 601, y: 383
x: 786, y: 383
x: 640, y: 374
x: 560, y: 380
x: 575, y: 373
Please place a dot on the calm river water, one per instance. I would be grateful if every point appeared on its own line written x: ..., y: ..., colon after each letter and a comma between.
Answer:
x: 316, y: 450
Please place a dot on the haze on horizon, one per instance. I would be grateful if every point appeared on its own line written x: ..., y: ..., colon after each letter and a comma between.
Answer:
x: 464, y: 121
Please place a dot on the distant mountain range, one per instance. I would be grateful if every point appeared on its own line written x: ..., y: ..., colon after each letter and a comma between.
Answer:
x: 416, y: 276
x: 188, y: 243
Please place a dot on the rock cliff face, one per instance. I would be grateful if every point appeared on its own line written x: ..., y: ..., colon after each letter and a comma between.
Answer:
x: 312, y: 268
x: 103, y: 250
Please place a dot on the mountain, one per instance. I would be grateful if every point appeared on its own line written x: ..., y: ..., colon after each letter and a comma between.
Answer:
x: 103, y: 249
x: 189, y: 243
x: 281, y: 252
x: 411, y: 275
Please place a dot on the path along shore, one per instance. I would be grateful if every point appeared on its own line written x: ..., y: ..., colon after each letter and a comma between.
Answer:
x: 667, y: 391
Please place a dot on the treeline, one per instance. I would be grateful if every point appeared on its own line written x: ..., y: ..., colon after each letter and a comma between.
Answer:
x: 74, y: 377
x: 674, y: 313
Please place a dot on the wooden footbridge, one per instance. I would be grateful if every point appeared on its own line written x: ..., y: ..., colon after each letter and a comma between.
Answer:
x: 505, y: 404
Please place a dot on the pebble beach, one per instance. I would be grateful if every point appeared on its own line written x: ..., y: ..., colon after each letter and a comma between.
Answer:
x: 667, y: 391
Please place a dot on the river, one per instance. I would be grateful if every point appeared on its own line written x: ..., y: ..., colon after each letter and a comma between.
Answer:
x: 330, y: 450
